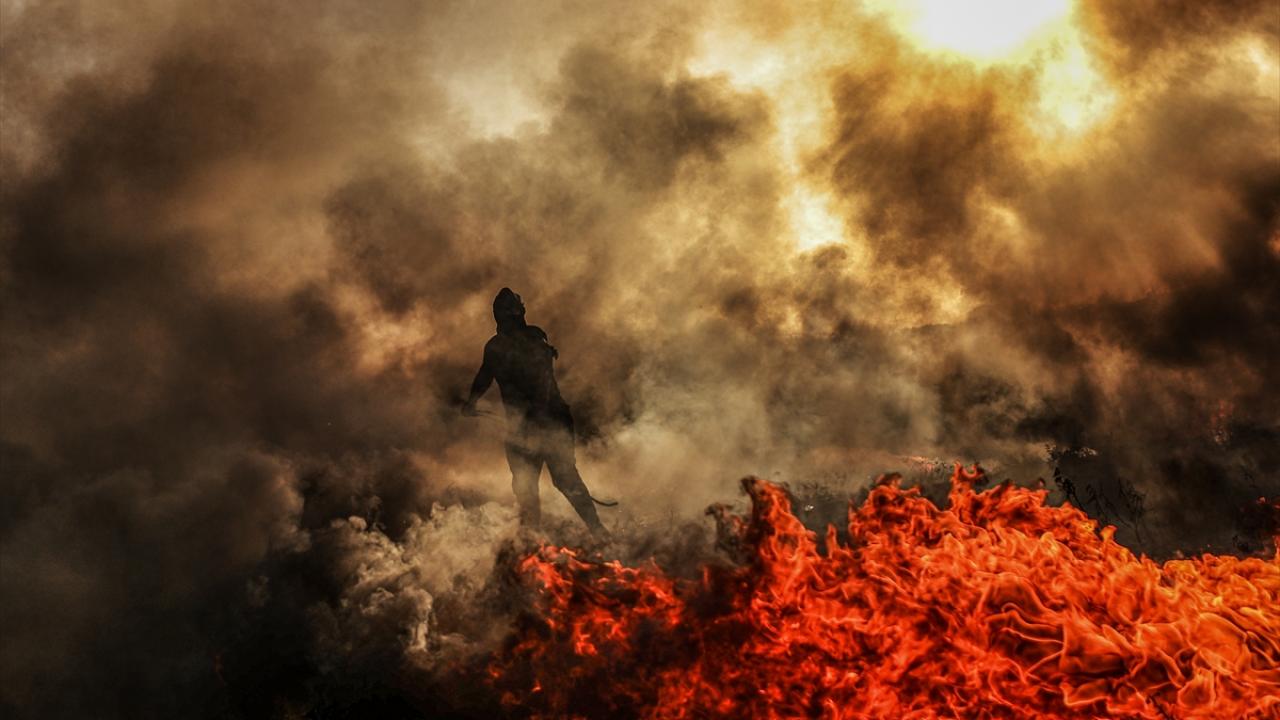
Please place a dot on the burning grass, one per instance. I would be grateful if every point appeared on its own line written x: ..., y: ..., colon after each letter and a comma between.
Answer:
x: 997, y: 606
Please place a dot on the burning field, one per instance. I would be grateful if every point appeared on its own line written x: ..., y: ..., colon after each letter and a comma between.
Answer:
x: 997, y: 606
x: 248, y: 255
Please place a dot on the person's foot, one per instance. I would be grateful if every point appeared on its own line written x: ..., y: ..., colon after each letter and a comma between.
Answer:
x: 531, y: 534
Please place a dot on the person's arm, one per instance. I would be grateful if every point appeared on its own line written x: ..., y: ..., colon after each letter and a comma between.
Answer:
x: 484, y: 378
x: 543, y: 334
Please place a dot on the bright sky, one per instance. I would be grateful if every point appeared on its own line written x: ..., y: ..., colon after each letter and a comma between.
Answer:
x: 979, y: 29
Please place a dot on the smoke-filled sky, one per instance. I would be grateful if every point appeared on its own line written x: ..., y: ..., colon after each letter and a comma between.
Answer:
x: 248, y: 250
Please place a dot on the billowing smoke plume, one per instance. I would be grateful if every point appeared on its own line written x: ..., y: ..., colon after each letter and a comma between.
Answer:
x: 247, y: 252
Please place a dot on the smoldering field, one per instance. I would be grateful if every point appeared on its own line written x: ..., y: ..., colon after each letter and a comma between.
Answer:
x: 247, y: 253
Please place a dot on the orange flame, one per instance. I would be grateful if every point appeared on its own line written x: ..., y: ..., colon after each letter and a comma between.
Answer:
x: 996, y: 607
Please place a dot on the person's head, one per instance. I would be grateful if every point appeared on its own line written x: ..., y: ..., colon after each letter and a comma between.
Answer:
x: 508, y: 308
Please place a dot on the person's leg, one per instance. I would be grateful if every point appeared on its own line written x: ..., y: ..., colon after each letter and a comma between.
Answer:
x: 526, y: 467
x: 565, y: 476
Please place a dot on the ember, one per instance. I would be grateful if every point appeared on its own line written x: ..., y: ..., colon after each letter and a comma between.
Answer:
x: 996, y: 607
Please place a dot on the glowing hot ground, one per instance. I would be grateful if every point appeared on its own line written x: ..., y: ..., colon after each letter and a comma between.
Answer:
x: 998, y: 606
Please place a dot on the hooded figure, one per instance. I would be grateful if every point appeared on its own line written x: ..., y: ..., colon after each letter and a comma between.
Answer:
x: 539, y: 424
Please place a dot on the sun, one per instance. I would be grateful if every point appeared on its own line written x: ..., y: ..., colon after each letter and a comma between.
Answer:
x: 978, y: 29
x: 1073, y: 97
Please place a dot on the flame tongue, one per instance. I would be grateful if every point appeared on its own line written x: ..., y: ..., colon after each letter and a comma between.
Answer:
x: 998, y: 606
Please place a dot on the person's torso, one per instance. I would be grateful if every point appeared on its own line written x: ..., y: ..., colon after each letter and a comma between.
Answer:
x: 523, y: 365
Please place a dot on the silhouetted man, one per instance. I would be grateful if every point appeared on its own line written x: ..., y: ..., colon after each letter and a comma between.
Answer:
x: 539, y: 424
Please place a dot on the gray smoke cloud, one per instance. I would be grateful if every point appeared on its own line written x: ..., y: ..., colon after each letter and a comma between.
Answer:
x: 247, y: 254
